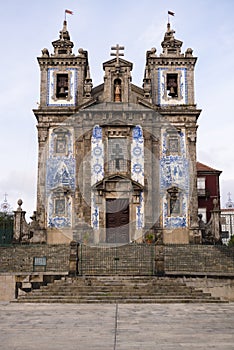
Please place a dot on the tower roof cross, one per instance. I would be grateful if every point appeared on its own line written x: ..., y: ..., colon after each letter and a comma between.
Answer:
x: 117, y: 53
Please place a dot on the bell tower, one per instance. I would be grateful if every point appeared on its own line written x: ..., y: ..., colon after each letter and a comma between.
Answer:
x: 169, y: 85
x: 64, y: 76
x: 171, y: 74
x: 65, y: 85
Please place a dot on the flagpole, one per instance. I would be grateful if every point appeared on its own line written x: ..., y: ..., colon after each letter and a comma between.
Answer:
x: 65, y: 15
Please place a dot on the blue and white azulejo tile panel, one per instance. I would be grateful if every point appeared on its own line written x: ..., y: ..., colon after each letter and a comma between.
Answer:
x: 61, y: 142
x: 59, y: 220
x: 140, y: 213
x: 137, y: 155
x: 97, y: 155
x: 97, y: 170
x: 60, y: 172
x: 174, y: 172
x: 60, y: 178
x: 137, y: 169
x: 94, y: 213
x: 172, y: 222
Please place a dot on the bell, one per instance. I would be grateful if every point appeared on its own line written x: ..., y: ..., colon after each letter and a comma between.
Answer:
x: 172, y: 91
x: 62, y: 90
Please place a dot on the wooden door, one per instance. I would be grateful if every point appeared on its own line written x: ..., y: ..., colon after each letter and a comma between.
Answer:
x: 117, y: 221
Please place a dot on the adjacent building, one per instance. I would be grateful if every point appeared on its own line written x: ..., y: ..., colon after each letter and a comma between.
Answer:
x: 208, y: 189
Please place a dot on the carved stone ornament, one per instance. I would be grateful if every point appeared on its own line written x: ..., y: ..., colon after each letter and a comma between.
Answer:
x: 192, y: 135
x: 43, y: 133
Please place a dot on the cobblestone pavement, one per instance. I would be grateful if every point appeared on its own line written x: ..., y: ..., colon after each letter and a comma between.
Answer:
x: 116, y: 327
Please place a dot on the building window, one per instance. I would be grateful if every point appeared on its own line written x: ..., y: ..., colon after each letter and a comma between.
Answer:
x: 117, y: 155
x: 172, y: 85
x: 174, y: 202
x: 62, y: 86
x: 201, y: 186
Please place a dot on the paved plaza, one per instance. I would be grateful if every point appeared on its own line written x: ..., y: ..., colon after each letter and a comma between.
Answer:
x: 116, y: 327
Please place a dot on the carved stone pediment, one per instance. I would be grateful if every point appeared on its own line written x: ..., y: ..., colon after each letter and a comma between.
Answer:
x: 117, y: 183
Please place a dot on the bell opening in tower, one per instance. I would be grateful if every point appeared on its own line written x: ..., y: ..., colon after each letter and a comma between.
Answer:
x: 62, y: 86
x: 172, y: 85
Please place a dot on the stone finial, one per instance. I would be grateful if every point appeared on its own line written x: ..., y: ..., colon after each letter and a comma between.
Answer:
x: 20, y: 202
x: 189, y: 52
x: 151, y: 53
x: 88, y: 83
x: 82, y: 52
x: 215, y: 203
x: 63, y: 46
x: 64, y: 34
x: 45, y: 52
x: 169, y: 35
x: 170, y: 45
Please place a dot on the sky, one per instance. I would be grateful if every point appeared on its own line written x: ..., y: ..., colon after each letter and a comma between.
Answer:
x: 28, y: 26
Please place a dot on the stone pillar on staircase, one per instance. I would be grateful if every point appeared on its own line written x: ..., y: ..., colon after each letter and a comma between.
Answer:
x: 159, y: 260
x: 21, y: 228
x: 74, y: 259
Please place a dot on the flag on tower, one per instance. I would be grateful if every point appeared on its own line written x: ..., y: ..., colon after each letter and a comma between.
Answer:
x: 171, y: 13
x: 69, y: 12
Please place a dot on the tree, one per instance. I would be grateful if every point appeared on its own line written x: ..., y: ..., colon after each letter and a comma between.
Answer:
x: 6, y: 227
x: 231, y: 242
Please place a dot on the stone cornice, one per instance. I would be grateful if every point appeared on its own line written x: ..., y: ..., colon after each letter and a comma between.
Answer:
x: 173, y: 61
x: 67, y: 61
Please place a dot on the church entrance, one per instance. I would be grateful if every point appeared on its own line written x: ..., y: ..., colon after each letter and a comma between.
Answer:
x: 117, y: 220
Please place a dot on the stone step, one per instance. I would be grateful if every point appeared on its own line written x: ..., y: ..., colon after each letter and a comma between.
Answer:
x: 124, y: 300
x: 126, y: 294
x: 116, y: 296
x: 126, y: 290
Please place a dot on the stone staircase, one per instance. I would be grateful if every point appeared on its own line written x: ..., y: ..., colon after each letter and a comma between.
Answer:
x: 120, y: 289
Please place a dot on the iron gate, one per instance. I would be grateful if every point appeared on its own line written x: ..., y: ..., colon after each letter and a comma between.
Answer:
x: 130, y: 259
x: 6, y: 229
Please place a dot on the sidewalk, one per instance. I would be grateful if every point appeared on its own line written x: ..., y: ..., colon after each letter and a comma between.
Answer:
x: 116, y: 327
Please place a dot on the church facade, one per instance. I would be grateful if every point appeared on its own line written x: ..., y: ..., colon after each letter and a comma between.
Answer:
x: 117, y: 162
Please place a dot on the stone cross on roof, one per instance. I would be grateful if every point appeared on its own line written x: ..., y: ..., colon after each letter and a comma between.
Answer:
x: 117, y: 53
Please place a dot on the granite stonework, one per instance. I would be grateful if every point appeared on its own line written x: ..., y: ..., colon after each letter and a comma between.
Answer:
x: 117, y: 142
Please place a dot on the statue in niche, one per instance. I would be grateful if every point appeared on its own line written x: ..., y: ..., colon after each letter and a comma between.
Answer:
x: 117, y: 91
